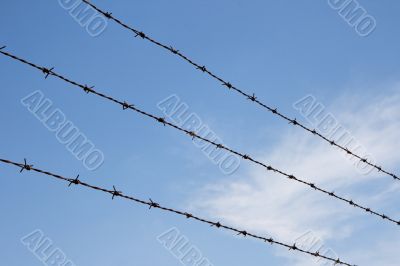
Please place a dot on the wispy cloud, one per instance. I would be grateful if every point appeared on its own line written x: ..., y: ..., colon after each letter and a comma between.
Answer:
x: 272, y: 205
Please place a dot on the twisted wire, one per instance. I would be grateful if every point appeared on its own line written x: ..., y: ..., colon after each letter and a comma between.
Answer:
x: 151, y: 204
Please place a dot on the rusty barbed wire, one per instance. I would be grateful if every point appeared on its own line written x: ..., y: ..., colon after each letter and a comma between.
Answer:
x: 192, y: 134
x: 151, y: 204
x: 248, y: 96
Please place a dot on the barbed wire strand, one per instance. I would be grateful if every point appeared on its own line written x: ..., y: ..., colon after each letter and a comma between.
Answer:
x: 248, y: 96
x: 125, y: 105
x: 151, y: 204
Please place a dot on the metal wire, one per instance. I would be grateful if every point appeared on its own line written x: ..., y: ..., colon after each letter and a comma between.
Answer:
x: 151, y: 204
x: 247, y: 95
x: 125, y: 105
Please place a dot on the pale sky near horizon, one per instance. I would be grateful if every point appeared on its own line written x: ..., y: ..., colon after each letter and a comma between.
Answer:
x: 280, y: 50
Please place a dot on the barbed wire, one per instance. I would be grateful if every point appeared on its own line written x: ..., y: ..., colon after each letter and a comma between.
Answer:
x: 248, y: 96
x: 152, y: 204
x: 125, y: 105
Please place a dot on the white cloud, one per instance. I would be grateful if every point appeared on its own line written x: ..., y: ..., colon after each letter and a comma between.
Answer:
x: 270, y: 204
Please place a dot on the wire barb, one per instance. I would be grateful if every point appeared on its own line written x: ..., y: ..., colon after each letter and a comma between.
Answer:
x: 161, y: 120
x: 75, y: 181
x: 47, y: 71
x: 26, y: 166
x: 87, y: 89
x: 228, y: 85
x: 203, y: 68
x: 192, y: 134
x: 153, y: 204
x: 244, y: 233
x: 126, y: 105
x: 188, y: 215
x: 140, y: 34
x: 173, y: 50
x: 294, y: 122
x: 115, y: 193
x: 217, y: 224
x: 252, y: 97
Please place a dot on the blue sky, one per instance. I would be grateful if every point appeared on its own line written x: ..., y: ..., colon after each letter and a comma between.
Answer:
x: 280, y: 50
